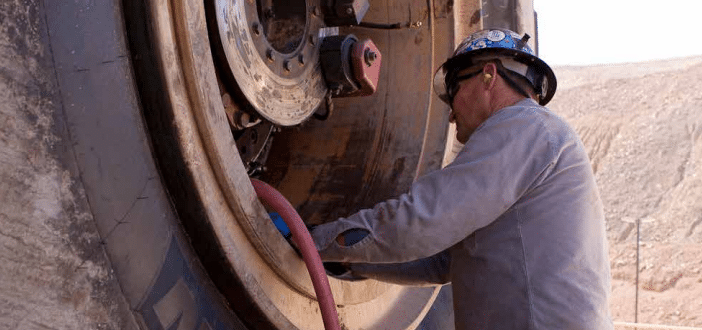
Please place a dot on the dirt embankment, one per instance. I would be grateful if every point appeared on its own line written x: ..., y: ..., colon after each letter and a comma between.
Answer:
x: 642, y: 125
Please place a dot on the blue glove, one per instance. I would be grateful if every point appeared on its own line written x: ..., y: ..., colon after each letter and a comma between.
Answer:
x: 280, y: 224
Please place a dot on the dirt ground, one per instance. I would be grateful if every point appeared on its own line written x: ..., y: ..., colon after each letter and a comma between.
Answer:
x: 642, y: 126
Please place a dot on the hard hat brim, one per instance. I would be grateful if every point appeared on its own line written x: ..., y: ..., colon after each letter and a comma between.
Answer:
x: 465, y: 60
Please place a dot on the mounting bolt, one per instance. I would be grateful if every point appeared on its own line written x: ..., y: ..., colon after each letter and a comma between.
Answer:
x: 335, y: 89
x: 256, y: 28
x: 269, y: 55
x: 369, y: 56
x: 286, y: 65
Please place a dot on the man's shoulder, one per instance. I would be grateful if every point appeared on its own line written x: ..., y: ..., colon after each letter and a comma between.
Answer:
x: 527, y: 116
x: 532, y: 126
x: 528, y: 109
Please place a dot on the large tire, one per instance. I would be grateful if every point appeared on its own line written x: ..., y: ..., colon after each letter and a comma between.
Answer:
x: 189, y: 244
x: 161, y: 279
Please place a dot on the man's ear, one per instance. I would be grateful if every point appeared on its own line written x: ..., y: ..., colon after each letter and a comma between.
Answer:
x: 489, y: 74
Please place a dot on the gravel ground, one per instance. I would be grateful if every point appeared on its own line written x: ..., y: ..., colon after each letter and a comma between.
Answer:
x: 642, y: 125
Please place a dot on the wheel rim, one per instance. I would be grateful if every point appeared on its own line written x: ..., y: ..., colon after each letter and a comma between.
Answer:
x: 272, y: 274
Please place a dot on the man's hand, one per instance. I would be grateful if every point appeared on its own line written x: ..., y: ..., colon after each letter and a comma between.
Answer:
x: 285, y: 231
x: 280, y: 225
x: 336, y: 269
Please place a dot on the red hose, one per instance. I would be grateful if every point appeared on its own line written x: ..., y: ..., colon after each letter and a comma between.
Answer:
x: 303, y: 240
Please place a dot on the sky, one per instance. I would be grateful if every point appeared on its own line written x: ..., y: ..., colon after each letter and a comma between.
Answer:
x: 587, y: 32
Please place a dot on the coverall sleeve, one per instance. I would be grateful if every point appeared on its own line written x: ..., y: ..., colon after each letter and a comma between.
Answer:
x: 499, y: 163
x: 434, y: 270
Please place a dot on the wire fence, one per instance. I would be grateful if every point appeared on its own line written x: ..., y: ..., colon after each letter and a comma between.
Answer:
x: 642, y: 326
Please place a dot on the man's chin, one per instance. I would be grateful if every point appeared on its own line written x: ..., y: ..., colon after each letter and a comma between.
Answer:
x: 462, y: 138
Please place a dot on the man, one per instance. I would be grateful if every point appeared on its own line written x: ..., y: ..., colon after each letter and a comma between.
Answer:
x: 515, y: 223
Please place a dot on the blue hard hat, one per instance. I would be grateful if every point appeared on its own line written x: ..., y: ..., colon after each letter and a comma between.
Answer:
x: 498, y: 44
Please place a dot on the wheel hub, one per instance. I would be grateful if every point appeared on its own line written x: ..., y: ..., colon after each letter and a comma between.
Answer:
x: 271, y: 48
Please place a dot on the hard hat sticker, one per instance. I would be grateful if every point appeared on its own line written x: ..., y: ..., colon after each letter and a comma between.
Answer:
x: 495, y: 35
x: 480, y: 44
x: 461, y: 48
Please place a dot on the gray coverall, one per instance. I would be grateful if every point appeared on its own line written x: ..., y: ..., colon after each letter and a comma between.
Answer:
x: 515, y: 223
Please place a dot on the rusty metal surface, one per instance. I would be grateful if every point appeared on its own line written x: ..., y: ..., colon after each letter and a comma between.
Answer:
x: 371, y: 148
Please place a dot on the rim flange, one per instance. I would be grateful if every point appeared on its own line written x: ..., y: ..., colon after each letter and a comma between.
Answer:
x: 241, y: 223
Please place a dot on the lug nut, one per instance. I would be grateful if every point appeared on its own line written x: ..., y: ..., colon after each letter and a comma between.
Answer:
x: 369, y: 56
x: 269, y: 55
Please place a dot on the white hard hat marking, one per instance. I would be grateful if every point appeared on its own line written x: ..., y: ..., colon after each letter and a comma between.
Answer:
x: 496, y: 35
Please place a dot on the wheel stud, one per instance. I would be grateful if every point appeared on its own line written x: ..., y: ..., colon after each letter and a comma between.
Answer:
x: 269, y: 55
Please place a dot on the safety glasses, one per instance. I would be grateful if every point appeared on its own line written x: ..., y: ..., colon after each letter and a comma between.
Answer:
x: 453, y: 86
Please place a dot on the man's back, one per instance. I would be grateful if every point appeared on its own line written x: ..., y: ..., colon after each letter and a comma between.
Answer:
x: 515, y: 223
x: 543, y: 263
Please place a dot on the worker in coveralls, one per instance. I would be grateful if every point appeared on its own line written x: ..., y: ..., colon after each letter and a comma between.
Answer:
x: 515, y: 223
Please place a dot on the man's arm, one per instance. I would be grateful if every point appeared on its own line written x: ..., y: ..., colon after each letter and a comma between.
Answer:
x: 502, y: 159
x: 429, y: 271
